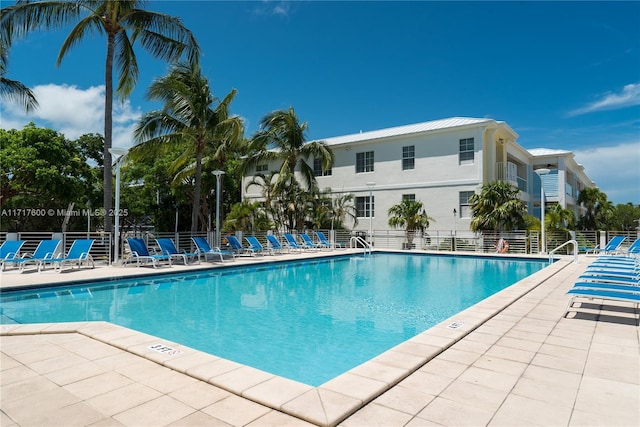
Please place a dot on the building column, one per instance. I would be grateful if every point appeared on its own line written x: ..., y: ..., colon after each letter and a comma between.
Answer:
x: 488, y: 164
x: 562, y: 181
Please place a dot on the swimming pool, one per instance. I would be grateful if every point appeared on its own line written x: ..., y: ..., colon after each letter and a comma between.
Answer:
x: 307, y: 320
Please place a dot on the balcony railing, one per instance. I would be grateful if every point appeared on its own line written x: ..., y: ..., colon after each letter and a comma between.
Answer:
x: 502, y: 174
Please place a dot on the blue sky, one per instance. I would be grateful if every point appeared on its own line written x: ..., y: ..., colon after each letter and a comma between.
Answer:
x: 562, y: 75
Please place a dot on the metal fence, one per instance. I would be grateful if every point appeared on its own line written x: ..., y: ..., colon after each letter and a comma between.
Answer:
x: 519, y: 242
x: 100, y: 251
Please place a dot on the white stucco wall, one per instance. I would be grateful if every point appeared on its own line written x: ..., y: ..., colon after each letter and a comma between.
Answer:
x: 436, y: 181
x: 438, y: 177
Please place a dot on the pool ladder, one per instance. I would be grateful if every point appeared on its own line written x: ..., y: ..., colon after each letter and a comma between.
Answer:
x: 568, y: 242
x: 360, y: 241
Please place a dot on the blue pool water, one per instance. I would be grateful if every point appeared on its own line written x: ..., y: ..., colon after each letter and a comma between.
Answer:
x: 309, y: 321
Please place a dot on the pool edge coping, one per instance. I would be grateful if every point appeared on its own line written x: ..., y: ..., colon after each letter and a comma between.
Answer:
x: 327, y: 404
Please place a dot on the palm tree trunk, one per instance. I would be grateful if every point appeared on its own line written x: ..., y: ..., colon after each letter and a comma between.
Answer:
x: 197, y: 193
x: 410, y: 236
x: 108, y: 125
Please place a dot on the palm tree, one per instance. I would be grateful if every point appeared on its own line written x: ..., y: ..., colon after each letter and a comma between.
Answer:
x: 497, y: 207
x: 558, y: 218
x: 558, y: 221
x: 13, y: 90
x: 282, y: 137
x: 245, y: 216
x: 189, y: 122
x: 343, y: 207
x: 267, y: 183
x: 409, y: 215
x: 597, y: 208
x: 123, y: 23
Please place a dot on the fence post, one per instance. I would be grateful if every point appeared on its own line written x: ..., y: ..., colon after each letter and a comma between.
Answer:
x: 603, y: 239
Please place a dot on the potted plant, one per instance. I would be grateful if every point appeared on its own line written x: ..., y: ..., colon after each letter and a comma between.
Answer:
x: 411, y: 216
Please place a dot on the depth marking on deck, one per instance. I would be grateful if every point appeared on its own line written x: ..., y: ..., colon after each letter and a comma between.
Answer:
x: 165, y: 349
x: 455, y: 325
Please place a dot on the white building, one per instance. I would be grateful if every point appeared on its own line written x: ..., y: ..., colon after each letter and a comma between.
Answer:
x: 440, y: 163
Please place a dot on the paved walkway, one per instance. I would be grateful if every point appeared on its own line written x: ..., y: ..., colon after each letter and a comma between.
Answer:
x: 524, y: 364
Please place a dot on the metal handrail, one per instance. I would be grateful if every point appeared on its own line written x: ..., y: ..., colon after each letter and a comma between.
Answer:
x: 575, y: 250
x: 366, y: 245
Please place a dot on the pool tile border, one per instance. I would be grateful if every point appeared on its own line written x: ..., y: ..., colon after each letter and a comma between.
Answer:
x: 331, y: 402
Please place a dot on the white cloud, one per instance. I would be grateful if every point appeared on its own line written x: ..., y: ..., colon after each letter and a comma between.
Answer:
x: 268, y: 7
x: 615, y: 170
x: 73, y: 111
x: 628, y: 97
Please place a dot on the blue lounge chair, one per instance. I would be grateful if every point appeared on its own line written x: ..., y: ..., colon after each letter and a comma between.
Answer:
x: 274, y: 244
x: 630, y: 270
x: 205, y: 250
x: 45, y: 251
x: 611, y: 274
x: 169, y: 249
x: 604, y: 294
x: 9, y: 250
x: 634, y: 249
x: 235, y: 245
x: 611, y: 247
x: 607, y: 286
x: 611, y: 262
x: 629, y: 273
x: 614, y: 265
x: 629, y: 254
x: 141, y: 255
x: 606, y: 290
x: 630, y: 280
x: 308, y: 243
x: 255, y: 247
x: 323, y: 239
x: 79, y: 252
x: 616, y: 259
x: 291, y: 242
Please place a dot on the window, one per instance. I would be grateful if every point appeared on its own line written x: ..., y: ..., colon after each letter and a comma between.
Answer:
x: 409, y: 197
x: 408, y: 157
x: 465, y: 207
x: 364, y: 162
x: 466, y: 151
x: 365, y: 207
x: 262, y: 168
x: 317, y: 168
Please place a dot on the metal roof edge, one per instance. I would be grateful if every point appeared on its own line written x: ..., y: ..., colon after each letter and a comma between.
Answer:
x: 430, y: 126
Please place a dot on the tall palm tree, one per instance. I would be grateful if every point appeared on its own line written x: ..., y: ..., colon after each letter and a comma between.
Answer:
x: 13, y: 90
x: 192, y: 120
x: 411, y: 216
x: 282, y: 137
x: 123, y: 23
x: 497, y: 207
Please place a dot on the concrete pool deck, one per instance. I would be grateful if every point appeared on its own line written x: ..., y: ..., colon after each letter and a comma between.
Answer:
x: 513, y: 359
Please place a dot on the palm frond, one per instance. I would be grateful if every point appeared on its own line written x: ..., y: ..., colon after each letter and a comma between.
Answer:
x: 162, y: 35
x: 126, y: 63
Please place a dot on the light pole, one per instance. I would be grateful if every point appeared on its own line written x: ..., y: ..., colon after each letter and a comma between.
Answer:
x: 218, y: 174
x: 88, y: 204
x: 118, y: 153
x: 453, y: 239
x: 543, y: 245
x: 371, y: 185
